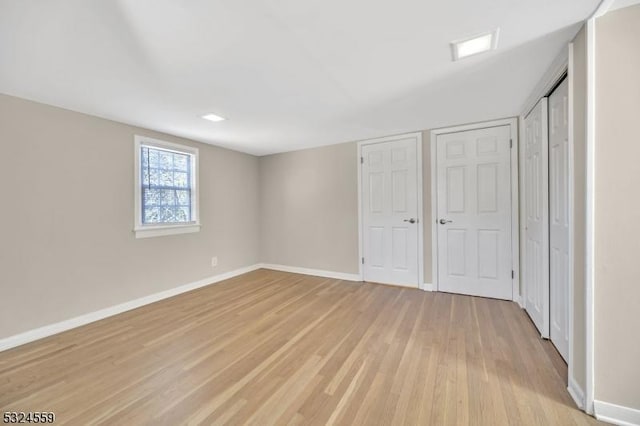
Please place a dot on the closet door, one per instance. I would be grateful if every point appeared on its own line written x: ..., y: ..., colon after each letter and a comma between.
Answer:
x: 536, y: 248
x: 559, y: 217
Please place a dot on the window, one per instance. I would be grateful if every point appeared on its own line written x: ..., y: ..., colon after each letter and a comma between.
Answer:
x: 166, y: 191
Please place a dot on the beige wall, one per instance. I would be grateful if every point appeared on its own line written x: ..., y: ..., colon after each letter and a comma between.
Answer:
x: 66, y: 217
x: 617, y: 208
x: 309, y: 208
x: 579, y: 76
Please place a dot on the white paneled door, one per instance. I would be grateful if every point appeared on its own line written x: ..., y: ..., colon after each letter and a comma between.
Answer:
x: 536, y: 248
x: 559, y: 217
x: 390, y: 211
x: 473, y: 173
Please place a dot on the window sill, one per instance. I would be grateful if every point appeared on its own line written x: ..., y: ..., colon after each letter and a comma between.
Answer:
x: 160, y: 230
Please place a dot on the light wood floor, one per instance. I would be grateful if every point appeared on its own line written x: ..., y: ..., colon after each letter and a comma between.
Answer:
x: 277, y: 348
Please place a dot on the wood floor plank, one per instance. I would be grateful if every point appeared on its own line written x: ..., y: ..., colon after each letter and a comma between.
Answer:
x: 277, y: 348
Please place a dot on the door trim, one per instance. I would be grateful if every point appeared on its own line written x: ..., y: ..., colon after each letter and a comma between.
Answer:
x: 515, y: 223
x: 418, y: 137
x: 571, y: 212
x: 590, y: 385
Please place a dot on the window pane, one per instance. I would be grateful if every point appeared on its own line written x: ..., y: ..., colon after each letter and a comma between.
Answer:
x: 153, y: 156
x: 166, y: 160
x: 167, y: 215
x: 151, y: 197
x: 145, y: 158
x: 155, y: 177
x: 166, y: 179
x: 168, y: 197
x: 152, y: 215
x: 166, y: 186
x: 184, y: 198
x: 180, y: 179
x: 180, y: 162
x: 145, y: 176
x: 182, y: 214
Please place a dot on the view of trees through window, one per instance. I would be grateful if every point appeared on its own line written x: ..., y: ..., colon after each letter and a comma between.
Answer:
x: 166, y: 186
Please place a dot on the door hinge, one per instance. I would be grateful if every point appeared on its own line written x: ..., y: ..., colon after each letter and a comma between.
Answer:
x: 363, y: 260
x: 510, y: 143
x: 513, y: 274
x: 361, y: 160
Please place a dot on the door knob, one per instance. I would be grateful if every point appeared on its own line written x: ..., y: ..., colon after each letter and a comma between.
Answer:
x: 445, y: 221
x: 412, y: 220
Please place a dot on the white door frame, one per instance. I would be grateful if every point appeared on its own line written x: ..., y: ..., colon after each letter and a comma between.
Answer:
x: 418, y: 136
x: 515, y: 223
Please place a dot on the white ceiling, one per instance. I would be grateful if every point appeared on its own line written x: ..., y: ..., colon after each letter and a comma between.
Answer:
x: 287, y: 74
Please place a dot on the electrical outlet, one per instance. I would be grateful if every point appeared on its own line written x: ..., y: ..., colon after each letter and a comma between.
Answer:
x: 214, y: 261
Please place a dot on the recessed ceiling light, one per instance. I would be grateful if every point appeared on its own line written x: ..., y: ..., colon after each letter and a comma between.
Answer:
x: 474, y: 45
x: 213, y: 117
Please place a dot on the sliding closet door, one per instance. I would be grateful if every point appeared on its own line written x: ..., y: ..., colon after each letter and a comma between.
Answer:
x: 536, y: 248
x: 559, y: 217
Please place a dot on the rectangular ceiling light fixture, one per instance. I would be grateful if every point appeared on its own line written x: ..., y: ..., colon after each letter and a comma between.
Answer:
x: 213, y: 117
x: 474, y: 45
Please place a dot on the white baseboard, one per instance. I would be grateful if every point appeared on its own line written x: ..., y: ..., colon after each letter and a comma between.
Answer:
x: 427, y: 287
x: 519, y: 300
x: 59, y: 327
x: 315, y: 272
x: 616, y: 414
x: 576, y: 393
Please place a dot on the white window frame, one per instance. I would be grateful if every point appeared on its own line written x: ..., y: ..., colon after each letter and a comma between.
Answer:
x: 143, y: 230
